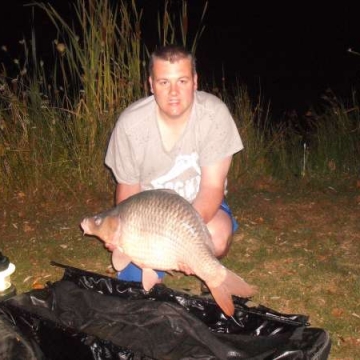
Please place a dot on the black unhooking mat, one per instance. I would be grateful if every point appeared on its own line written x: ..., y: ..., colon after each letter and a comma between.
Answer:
x: 90, y: 316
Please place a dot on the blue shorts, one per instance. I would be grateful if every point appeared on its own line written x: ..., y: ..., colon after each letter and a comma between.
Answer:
x: 134, y: 273
x: 224, y: 206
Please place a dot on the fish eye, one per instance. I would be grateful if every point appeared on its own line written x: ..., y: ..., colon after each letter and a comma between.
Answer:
x: 97, y: 220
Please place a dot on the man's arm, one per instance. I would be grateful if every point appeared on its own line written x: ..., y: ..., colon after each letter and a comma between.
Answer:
x: 123, y: 191
x: 211, y: 192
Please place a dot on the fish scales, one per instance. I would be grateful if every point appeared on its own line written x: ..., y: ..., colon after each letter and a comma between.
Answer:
x: 158, y: 229
x: 164, y: 230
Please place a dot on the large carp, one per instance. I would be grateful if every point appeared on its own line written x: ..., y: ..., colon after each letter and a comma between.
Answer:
x: 158, y: 229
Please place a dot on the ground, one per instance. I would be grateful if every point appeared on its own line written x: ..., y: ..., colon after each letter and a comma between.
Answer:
x: 300, y: 246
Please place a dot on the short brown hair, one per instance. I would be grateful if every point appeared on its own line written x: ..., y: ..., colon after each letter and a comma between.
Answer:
x: 172, y: 53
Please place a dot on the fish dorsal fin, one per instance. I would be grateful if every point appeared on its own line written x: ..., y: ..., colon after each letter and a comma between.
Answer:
x: 149, y: 278
x: 169, y: 191
x: 119, y: 259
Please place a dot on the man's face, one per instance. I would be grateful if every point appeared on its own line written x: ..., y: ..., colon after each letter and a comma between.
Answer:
x: 173, y: 86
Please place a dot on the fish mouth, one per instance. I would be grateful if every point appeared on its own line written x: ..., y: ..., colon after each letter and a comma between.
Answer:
x: 84, y: 226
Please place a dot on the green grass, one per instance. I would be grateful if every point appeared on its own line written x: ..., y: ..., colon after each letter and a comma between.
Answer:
x: 301, y: 249
x: 306, y: 261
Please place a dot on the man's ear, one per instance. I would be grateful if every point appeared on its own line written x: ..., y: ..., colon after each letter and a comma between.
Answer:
x: 151, y: 85
x: 195, y: 81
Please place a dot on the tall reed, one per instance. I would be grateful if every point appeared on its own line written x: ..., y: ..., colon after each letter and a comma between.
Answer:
x: 31, y: 132
x: 173, y: 25
x: 334, y: 138
x: 100, y: 68
x: 254, y: 123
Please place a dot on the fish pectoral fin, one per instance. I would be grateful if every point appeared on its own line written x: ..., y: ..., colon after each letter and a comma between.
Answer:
x: 185, y: 268
x: 149, y: 278
x: 119, y: 260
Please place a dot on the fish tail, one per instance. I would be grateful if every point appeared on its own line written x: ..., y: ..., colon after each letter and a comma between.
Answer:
x: 232, y: 285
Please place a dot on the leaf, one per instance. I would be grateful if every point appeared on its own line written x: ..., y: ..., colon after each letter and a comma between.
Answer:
x: 337, y: 312
x: 37, y: 286
x: 27, y: 227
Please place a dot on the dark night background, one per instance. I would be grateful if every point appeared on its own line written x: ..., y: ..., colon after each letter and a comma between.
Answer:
x: 289, y: 53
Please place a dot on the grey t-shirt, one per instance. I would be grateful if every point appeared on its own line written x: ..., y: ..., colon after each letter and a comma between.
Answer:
x: 136, y: 153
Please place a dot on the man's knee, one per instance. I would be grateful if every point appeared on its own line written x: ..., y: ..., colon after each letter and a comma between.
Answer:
x: 220, y: 228
x: 222, y: 247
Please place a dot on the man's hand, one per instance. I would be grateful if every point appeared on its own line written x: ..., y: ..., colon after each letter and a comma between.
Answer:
x: 111, y: 247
